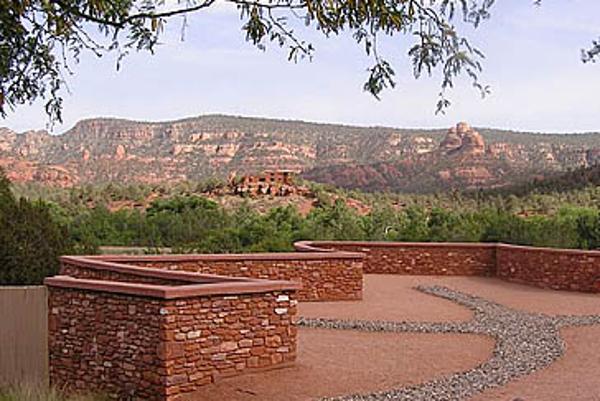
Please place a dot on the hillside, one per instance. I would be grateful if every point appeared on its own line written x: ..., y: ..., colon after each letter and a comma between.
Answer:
x: 373, y: 158
x: 572, y: 180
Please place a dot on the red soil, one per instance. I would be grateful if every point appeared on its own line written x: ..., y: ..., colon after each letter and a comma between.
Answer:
x: 335, y: 362
x: 392, y: 298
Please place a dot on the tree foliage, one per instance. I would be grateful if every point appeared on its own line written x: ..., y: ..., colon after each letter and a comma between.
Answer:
x: 30, y: 240
x: 39, y: 39
x: 215, y: 230
x: 34, y: 233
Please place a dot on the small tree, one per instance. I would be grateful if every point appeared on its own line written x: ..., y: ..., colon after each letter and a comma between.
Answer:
x: 588, y: 228
x: 30, y: 241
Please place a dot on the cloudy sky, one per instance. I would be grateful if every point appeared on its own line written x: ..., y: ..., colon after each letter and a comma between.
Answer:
x: 532, y: 65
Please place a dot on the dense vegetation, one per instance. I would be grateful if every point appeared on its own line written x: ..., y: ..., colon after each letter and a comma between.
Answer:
x: 30, y: 239
x: 585, y: 177
x: 34, y: 232
x: 195, y: 224
x: 182, y: 218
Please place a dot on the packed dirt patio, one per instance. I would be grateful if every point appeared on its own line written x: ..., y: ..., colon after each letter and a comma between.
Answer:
x: 344, y: 321
x: 347, y: 351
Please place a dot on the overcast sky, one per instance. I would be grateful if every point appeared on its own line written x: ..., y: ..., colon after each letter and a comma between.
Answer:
x: 532, y: 65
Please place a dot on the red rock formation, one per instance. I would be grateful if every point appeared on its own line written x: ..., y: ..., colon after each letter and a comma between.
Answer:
x: 373, y: 158
x: 463, y: 139
x: 278, y: 183
x: 120, y: 153
x: 593, y: 156
x: 452, y: 141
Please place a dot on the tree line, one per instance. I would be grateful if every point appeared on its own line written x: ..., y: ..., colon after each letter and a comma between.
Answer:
x: 195, y: 224
x: 34, y: 233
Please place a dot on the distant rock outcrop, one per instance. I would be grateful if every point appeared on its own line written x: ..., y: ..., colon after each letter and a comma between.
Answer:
x: 376, y: 158
x: 463, y: 139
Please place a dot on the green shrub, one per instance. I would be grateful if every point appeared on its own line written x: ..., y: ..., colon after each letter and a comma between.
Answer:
x: 588, y: 228
x: 30, y: 241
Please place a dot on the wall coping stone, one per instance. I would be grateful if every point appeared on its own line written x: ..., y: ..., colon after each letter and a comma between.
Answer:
x: 578, y: 252
x: 199, y: 284
x: 316, y: 246
x: 285, y: 256
x: 171, y: 292
x: 176, y: 275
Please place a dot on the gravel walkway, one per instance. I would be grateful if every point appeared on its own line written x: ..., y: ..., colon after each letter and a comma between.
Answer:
x: 525, y: 342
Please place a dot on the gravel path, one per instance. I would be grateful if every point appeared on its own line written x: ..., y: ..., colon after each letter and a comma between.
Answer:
x: 525, y: 342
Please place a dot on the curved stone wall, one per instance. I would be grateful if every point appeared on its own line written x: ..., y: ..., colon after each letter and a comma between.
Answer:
x: 416, y: 258
x: 324, y: 276
x: 561, y: 269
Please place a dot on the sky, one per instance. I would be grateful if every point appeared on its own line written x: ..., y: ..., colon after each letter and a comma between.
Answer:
x: 533, y: 66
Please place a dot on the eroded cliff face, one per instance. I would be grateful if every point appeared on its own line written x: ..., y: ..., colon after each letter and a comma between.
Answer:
x: 101, y: 150
x: 463, y: 160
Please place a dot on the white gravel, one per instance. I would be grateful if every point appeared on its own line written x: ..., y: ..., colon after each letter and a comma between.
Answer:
x: 525, y: 342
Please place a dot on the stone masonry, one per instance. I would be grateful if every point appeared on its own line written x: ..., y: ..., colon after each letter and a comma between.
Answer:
x: 560, y: 269
x: 417, y: 258
x: 324, y: 276
x: 159, y: 327
x: 144, y: 341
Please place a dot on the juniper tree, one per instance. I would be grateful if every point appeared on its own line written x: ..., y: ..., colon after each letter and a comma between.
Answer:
x: 30, y: 241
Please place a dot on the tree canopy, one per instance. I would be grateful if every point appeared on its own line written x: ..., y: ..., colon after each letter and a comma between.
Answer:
x: 40, y: 39
x: 30, y: 239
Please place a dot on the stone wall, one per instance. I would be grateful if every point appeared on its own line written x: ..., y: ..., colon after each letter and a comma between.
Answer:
x: 560, y: 269
x: 452, y: 259
x: 329, y: 276
x: 76, y: 269
x: 159, y: 327
x: 103, y: 342
x: 144, y: 341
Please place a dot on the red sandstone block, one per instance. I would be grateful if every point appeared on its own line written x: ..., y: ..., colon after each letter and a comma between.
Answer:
x: 258, y: 350
x: 170, y: 350
x: 264, y: 360
x: 273, y: 341
x: 171, y: 390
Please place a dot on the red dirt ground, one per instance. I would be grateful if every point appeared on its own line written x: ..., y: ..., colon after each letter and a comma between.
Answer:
x: 335, y: 362
x: 527, y: 298
x: 392, y: 298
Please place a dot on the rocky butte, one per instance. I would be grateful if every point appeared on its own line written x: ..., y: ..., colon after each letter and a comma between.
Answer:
x: 371, y: 158
x: 463, y: 139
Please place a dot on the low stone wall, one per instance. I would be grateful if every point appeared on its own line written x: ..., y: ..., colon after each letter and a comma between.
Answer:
x: 560, y: 269
x: 324, y: 276
x: 134, y: 340
x: 452, y: 259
